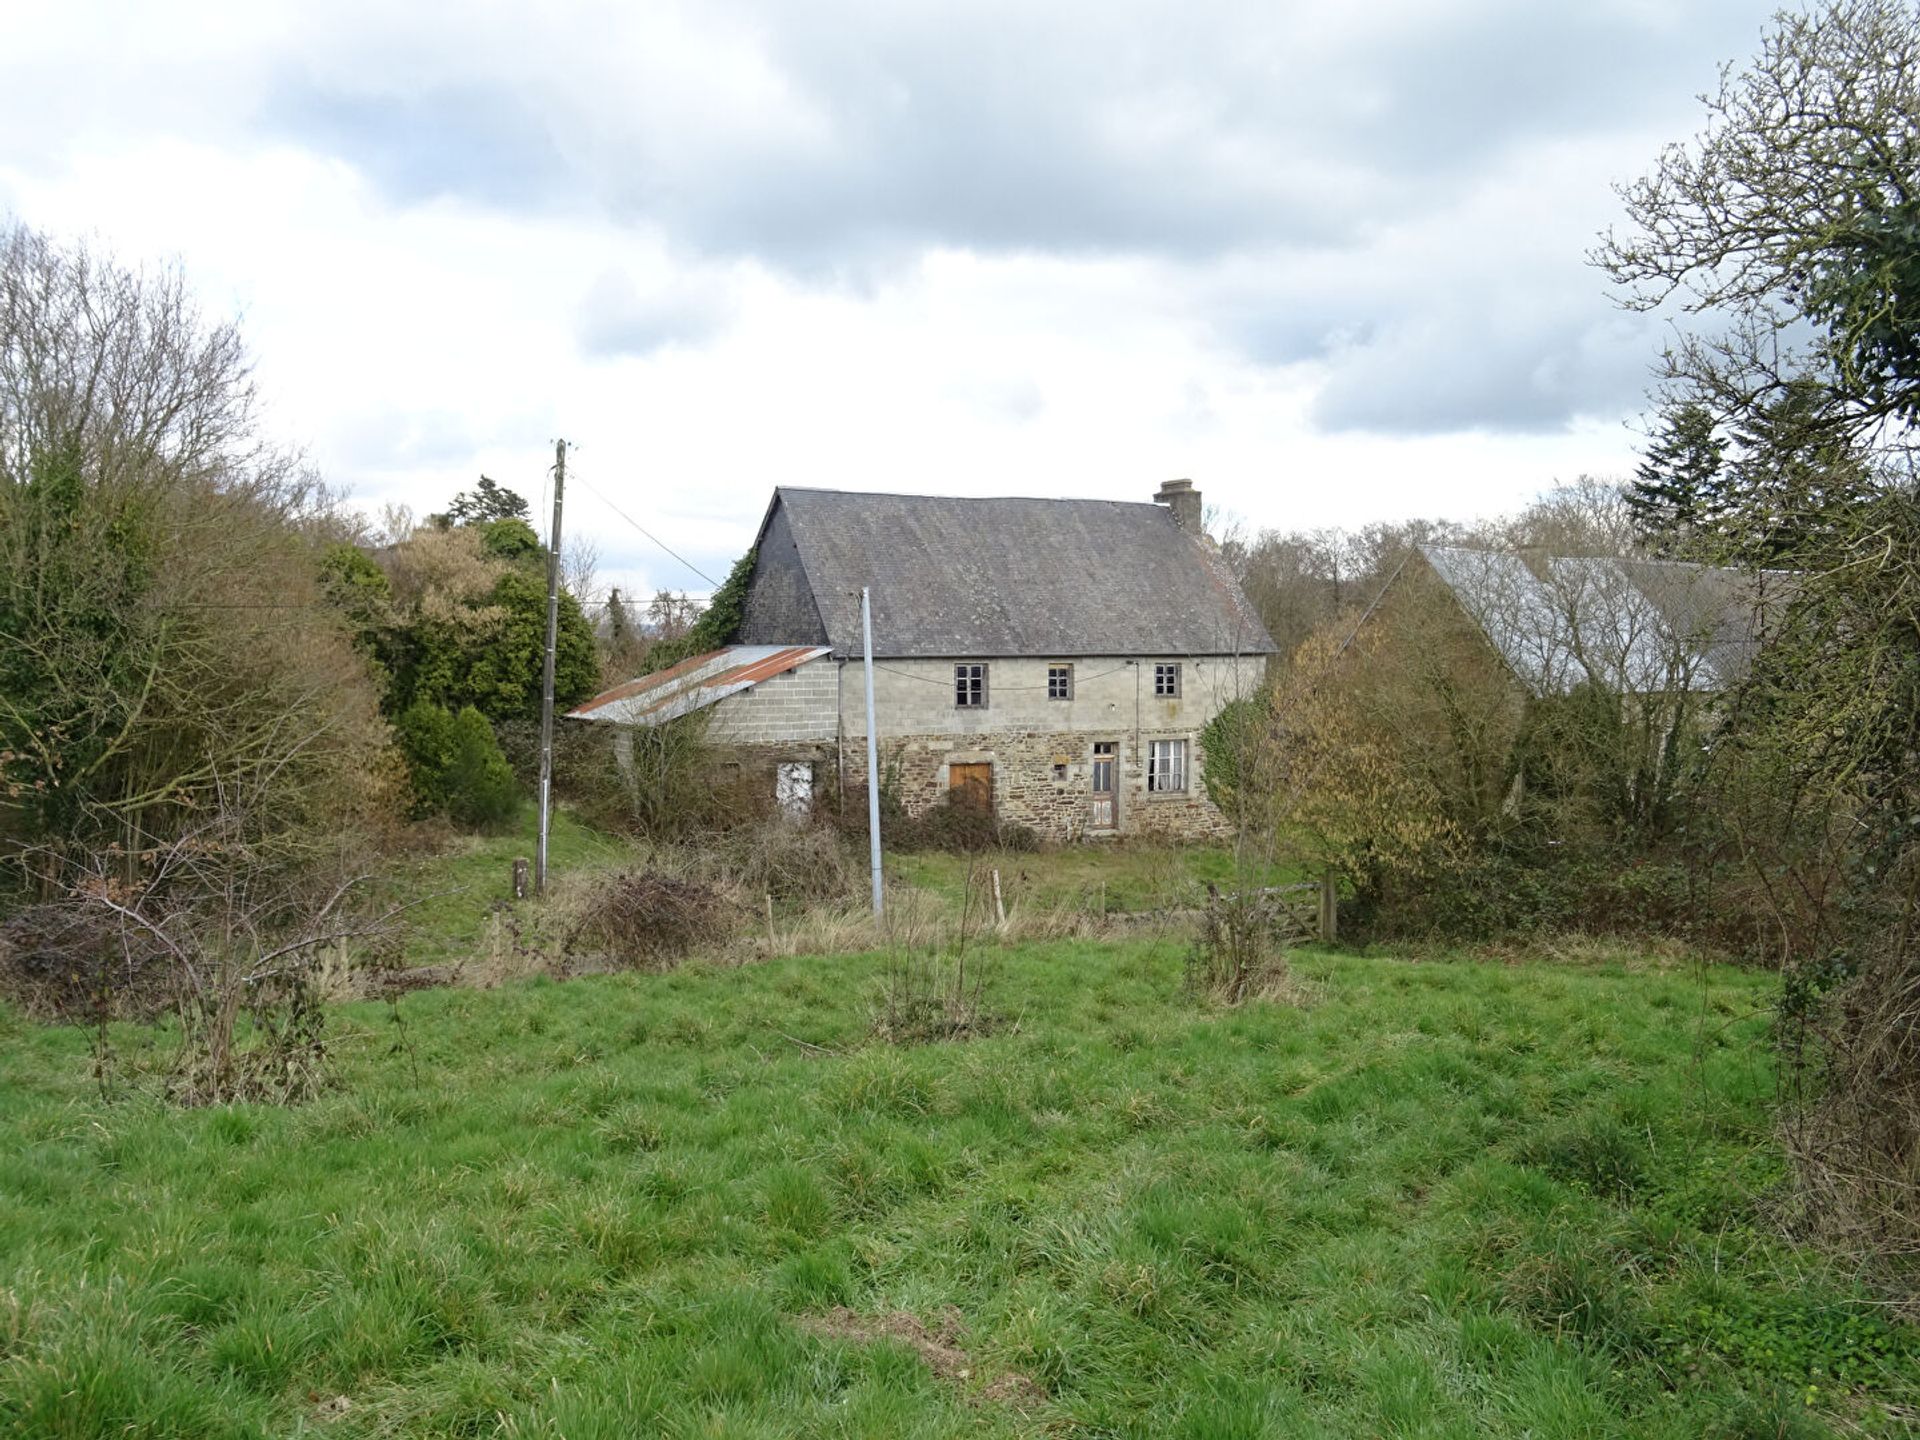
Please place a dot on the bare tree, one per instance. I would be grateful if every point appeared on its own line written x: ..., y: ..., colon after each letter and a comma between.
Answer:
x: 1786, y: 226
x: 215, y: 920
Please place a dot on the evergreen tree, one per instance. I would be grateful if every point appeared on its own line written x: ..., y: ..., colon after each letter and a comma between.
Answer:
x: 489, y: 500
x: 1676, y: 488
x: 1793, y: 476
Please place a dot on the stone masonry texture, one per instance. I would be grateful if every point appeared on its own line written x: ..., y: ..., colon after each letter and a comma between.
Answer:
x: 1040, y: 749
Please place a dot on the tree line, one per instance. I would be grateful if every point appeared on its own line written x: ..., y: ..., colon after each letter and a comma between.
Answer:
x: 1776, y: 818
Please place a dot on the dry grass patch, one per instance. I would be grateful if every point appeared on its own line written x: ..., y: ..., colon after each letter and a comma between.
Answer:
x: 937, y: 1345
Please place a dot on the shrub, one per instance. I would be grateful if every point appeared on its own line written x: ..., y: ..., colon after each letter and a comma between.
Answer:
x: 788, y: 861
x: 478, y: 782
x: 73, y: 964
x: 930, y: 996
x: 648, y: 918
x: 943, y: 825
x: 1236, y: 952
x: 457, y: 765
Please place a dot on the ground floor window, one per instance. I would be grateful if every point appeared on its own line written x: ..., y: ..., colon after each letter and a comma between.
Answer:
x: 1166, y: 766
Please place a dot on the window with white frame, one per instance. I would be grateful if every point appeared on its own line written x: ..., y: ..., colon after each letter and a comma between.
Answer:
x: 1166, y: 766
x: 970, y: 686
x: 1166, y: 681
x: 1059, y: 682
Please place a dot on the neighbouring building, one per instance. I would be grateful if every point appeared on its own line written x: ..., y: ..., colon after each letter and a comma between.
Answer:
x: 1054, y: 661
x: 1631, y: 626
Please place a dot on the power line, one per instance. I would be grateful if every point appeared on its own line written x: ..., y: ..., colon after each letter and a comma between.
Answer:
x: 948, y: 684
x: 648, y: 533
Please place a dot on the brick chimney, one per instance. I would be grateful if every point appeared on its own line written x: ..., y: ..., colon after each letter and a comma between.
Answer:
x: 1183, y: 500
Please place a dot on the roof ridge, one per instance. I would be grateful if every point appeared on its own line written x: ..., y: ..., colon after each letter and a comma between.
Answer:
x: 972, y: 499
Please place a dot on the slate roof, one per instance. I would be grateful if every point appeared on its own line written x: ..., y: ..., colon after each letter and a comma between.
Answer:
x: 694, y: 683
x: 961, y: 577
x: 1636, y: 626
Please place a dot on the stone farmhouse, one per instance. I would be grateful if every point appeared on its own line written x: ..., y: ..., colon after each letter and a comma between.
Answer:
x: 1052, y: 661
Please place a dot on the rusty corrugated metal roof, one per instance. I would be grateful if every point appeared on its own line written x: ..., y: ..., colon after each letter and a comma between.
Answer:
x: 694, y: 684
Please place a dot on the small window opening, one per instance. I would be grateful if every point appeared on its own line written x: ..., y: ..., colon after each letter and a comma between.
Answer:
x: 1166, y: 681
x: 970, y: 686
x: 1060, y: 682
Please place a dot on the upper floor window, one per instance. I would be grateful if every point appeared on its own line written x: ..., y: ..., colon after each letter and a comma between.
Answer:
x: 970, y: 686
x: 1060, y: 682
x: 1166, y: 681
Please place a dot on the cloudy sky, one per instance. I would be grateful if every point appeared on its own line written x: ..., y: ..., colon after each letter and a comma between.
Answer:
x: 1327, y: 260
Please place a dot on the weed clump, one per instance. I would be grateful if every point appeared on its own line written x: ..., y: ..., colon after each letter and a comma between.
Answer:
x: 1236, y: 952
x: 789, y: 861
x: 647, y: 919
x: 930, y: 997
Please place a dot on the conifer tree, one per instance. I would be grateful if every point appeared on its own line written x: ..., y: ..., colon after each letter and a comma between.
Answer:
x: 1675, y: 490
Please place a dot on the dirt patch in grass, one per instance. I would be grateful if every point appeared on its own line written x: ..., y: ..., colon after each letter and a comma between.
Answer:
x: 937, y: 1345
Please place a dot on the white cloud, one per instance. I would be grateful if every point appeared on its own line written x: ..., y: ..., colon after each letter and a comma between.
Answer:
x: 1325, y: 262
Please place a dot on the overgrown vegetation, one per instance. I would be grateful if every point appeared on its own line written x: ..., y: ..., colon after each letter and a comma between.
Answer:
x: 160, y: 639
x: 1500, y: 1199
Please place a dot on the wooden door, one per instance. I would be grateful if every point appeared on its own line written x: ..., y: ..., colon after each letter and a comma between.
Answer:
x: 1104, y: 813
x: 970, y: 787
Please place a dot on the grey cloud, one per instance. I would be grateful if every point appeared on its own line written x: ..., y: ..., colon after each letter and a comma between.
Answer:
x: 457, y: 137
x: 1212, y: 142
x: 1161, y: 130
x: 1464, y: 370
x: 617, y: 319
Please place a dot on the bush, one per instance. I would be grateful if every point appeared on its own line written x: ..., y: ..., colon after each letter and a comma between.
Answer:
x: 457, y: 766
x: 943, y: 825
x: 788, y: 861
x: 73, y: 964
x: 478, y: 782
x: 931, y: 997
x: 648, y: 918
x: 1236, y: 953
x: 671, y: 785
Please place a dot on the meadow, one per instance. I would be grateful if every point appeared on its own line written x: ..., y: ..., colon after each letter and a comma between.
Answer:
x: 1443, y: 1198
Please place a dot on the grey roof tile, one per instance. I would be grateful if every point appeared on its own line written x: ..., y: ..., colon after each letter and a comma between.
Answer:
x: 964, y: 577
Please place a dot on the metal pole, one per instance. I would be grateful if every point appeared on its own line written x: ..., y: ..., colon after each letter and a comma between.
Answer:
x: 546, y: 670
x: 873, y: 756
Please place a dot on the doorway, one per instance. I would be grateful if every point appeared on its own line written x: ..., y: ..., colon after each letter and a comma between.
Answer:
x: 1104, y: 813
x: 970, y: 787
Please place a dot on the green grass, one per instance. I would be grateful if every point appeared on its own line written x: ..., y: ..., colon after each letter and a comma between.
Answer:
x: 1128, y: 875
x: 450, y: 894
x: 1446, y: 1200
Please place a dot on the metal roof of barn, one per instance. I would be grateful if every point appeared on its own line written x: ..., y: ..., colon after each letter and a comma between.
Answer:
x: 1636, y: 626
x: 694, y: 684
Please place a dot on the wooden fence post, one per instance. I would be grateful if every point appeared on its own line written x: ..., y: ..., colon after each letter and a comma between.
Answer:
x: 520, y: 878
x: 1329, y: 909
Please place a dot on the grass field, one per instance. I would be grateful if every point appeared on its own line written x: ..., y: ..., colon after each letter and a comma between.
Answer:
x: 1446, y: 1199
x: 452, y: 892
x: 1124, y: 876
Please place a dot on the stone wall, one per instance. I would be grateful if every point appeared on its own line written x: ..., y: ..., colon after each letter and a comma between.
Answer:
x: 1043, y: 781
x: 1041, y: 749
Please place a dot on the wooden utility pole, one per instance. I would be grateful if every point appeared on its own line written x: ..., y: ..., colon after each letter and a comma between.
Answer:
x: 546, y: 669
